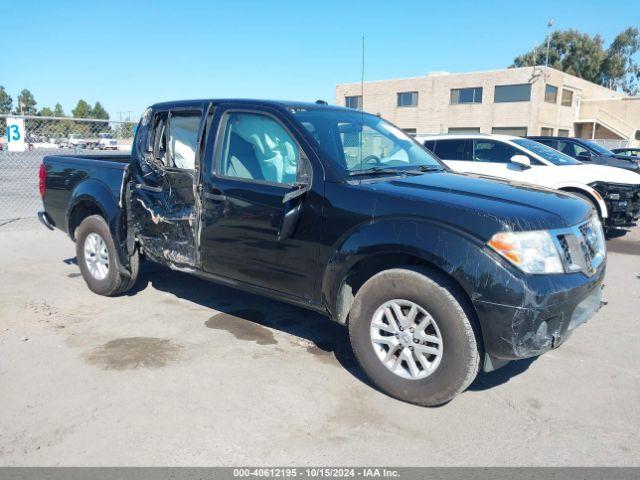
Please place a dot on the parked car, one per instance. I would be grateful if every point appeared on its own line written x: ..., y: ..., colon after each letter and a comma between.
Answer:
x: 588, y: 152
x: 627, y: 152
x: 76, y: 140
x: 614, y: 193
x: 436, y: 274
x: 107, y: 142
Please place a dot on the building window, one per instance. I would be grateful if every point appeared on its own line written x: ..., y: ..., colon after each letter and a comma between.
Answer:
x: 637, y: 135
x: 563, y: 132
x: 567, y: 97
x: 550, y: 94
x: 466, y: 95
x: 515, y: 131
x: 464, y: 129
x: 546, y: 131
x: 410, y: 131
x: 512, y: 93
x: 407, y: 99
x: 354, y: 102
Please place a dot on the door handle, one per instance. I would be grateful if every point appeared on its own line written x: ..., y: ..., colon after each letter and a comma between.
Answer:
x: 149, y: 188
x: 216, y: 197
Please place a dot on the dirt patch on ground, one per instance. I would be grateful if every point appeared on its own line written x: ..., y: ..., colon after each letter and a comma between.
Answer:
x: 135, y: 352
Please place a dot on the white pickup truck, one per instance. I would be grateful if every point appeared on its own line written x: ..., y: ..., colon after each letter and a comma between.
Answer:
x: 104, y: 141
x: 614, y: 192
x: 107, y: 142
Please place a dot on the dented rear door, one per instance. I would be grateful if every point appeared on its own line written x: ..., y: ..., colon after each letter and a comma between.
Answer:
x: 162, y: 191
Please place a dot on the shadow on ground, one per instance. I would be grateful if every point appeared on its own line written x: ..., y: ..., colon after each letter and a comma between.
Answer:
x: 245, y: 315
x: 485, y: 381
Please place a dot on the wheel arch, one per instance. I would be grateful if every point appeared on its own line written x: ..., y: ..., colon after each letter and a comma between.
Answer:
x: 368, y: 266
x: 590, y: 193
x: 93, y: 197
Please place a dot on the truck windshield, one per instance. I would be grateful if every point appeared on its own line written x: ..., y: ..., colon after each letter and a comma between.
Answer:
x: 549, y: 154
x: 359, y: 141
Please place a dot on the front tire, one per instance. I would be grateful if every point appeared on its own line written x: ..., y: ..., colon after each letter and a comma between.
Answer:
x: 432, y: 353
x: 98, y: 259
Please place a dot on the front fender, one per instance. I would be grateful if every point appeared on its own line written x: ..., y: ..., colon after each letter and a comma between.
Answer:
x: 587, y: 190
x: 453, y: 251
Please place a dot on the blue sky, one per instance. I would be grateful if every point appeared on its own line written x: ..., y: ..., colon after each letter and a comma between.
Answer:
x: 134, y: 53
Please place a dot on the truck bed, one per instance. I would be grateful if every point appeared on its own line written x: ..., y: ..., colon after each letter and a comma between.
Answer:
x: 69, y: 178
x: 88, y: 159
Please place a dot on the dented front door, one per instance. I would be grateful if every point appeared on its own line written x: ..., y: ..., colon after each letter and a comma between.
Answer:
x: 163, y: 208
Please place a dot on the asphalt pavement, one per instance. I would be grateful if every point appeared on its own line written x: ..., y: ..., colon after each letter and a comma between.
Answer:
x: 184, y: 372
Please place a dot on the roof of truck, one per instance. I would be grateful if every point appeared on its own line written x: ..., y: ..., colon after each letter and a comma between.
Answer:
x: 273, y: 103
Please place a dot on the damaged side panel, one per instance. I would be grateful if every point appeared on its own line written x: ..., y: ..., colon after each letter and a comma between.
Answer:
x: 161, y: 198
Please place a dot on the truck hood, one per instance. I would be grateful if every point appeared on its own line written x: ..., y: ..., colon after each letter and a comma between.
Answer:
x: 477, y: 204
x: 620, y: 162
x: 595, y: 173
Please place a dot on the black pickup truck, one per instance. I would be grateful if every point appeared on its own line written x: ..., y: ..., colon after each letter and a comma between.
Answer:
x: 436, y: 274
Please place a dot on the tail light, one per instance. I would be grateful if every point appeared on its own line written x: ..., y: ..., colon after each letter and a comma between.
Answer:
x: 42, y: 175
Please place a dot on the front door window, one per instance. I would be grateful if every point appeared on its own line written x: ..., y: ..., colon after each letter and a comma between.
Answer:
x: 257, y: 147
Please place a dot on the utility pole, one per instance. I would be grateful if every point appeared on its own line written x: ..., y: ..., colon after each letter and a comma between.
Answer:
x: 546, y: 61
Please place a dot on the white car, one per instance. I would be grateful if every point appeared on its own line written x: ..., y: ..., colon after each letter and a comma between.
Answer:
x: 107, y: 142
x: 75, y: 140
x: 614, y: 192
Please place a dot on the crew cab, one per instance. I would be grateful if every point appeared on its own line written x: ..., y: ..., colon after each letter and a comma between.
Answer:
x: 614, y: 192
x: 436, y: 274
x: 589, y: 152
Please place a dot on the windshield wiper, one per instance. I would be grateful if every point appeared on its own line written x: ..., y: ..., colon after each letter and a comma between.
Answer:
x: 429, y: 168
x: 377, y: 171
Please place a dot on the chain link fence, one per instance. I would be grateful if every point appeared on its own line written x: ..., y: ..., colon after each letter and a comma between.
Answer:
x: 19, y: 193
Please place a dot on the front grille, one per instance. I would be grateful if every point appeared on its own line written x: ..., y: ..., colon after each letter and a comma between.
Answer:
x: 582, y: 247
x: 622, y: 200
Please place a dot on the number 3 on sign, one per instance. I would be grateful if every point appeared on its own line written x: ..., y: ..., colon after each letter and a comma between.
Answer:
x: 13, y: 133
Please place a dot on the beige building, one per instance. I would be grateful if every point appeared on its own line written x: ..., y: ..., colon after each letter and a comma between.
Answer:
x: 520, y: 101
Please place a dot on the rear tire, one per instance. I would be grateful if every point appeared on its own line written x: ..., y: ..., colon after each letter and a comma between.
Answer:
x: 98, y: 259
x: 439, y: 376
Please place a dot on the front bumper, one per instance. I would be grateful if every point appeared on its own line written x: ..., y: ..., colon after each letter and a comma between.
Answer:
x: 553, y: 306
x: 622, y: 201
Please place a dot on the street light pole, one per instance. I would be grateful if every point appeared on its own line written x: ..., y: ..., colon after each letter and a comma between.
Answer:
x: 546, y: 61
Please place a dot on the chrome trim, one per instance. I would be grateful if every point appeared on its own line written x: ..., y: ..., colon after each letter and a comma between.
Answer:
x: 581, y: 248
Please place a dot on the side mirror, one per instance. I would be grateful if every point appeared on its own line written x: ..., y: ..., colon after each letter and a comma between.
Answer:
x: 522, y: 161
x: 584, y: 157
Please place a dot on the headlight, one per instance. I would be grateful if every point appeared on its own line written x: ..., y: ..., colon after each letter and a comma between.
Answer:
x: 531, y: 252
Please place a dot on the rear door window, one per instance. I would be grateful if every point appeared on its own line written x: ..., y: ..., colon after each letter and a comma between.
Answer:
x: 183, y: 139
x: 430, y: 145
x: 493, y: 151
x: 458, y: 149
x: 548, y: 142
